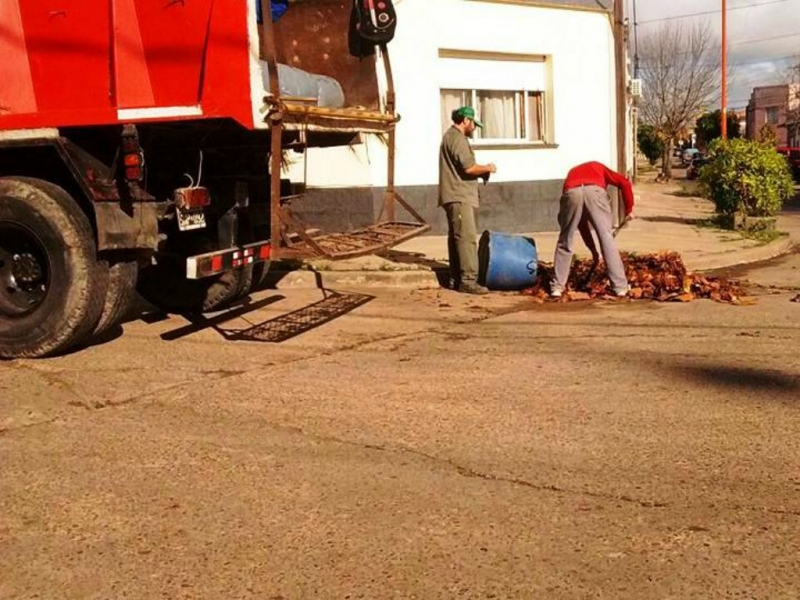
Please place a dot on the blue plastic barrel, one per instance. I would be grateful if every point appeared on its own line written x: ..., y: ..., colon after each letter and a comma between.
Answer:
x: 507, y: 261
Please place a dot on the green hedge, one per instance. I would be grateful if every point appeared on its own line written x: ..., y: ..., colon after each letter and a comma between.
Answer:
x: 650, y: 143
x: 746, y: 177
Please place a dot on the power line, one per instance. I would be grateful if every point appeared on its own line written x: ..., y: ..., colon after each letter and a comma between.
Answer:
x: 710, y: 12
x: 757, y: 61
x: 738, y: 63
x: 766, y: 39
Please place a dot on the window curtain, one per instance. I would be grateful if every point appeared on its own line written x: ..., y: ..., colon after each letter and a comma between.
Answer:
x: 496, y: 111
x: 451, y: 100
x: 535, y: 131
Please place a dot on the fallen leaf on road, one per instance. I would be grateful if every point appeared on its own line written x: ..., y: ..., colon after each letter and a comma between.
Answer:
x: 744, y: 301
x: 578, y: 296
x: 661, y: 277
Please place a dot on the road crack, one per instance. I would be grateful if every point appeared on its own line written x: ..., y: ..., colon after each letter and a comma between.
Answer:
x: 518, y: 481
x: 469, y: 471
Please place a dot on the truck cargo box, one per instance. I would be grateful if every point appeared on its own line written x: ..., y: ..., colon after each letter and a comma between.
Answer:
x: 96, y: 62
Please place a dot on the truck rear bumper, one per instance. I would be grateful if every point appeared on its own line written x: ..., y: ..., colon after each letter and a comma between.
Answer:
x: 205, y: 265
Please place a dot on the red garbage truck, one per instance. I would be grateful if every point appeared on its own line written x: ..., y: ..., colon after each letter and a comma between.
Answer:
x: 142, y: 141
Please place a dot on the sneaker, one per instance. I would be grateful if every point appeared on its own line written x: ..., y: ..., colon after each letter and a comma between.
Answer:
x: 472, y: 287
x: 555, y: 293
x: 622, y: 293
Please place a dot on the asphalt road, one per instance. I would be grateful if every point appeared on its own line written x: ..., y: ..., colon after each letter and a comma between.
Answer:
x: 423, y: 445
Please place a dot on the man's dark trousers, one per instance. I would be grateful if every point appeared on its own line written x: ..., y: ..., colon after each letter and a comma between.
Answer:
x: 461, y: 245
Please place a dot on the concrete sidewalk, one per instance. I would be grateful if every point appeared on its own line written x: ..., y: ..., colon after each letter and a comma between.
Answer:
x: 666, y: 219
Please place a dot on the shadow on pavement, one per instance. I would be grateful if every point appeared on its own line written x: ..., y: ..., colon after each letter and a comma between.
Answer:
x: 279, y: 329
x: 198, y: 322
x: 792, y: 205
x: 666, y: 219
x: 742, y: 378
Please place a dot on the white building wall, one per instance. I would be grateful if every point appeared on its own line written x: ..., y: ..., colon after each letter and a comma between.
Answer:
x: 581, y: 50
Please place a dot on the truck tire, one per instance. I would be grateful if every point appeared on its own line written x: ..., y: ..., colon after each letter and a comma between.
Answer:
x: 260, y: 272
x: 121, y: 291
x: 165, y: 286
x: 231, y: 287
x: 51, y: 288
x: 259, y: 193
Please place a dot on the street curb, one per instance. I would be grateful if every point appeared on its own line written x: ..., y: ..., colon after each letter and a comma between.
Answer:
x: 743, y: 256
x: 302, y: 279
x: 421, y: 278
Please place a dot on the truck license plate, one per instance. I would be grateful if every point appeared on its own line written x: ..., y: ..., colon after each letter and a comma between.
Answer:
x: 191, y: 219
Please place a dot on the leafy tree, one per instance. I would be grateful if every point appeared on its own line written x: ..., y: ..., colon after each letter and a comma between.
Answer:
x: 680, y: 75
x: 767, y: 135
x: 709, y: 127
x: 650, y: 143
x: 746, y: 177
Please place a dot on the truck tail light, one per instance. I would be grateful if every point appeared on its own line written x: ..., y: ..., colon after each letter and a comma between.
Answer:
x: 192, y: 198
x: 133, y: 167
x: 132, y: 159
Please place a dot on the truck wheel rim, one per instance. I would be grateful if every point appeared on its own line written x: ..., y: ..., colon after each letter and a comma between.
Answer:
x: 24, y: 270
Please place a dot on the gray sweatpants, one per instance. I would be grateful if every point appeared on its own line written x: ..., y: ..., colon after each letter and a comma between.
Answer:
x: 595, y: 201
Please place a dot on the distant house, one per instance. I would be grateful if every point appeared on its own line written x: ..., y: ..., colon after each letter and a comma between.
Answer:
x: 770, y: 105
x: 541, y: 75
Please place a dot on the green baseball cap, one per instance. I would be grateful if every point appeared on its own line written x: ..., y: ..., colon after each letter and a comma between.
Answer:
x: 468, y: 113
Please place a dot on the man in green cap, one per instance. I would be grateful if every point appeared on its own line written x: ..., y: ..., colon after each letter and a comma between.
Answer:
x: 458, y: 195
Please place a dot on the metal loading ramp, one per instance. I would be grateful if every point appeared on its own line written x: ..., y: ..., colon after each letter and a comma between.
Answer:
x: 290, y: 237
x: 350, y: 244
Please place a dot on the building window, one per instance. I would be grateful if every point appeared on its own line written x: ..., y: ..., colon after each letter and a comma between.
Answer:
x: 772, y: 115
x: 507, y: 116
x: 511, y: 94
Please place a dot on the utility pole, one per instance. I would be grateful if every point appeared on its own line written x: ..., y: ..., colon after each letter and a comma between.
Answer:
x: 635, y: 44
x: 724, y: 111
x: 621, y: 85
x: 620, y: 66
x: 635, y: 108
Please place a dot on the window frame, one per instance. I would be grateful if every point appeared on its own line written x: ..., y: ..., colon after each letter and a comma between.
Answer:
x: 772, y: 110
x: 546, y: 102
x: 521, y: 97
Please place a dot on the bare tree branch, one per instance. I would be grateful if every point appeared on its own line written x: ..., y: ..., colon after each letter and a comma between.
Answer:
x: 793, y: 109
x: 680, y: 73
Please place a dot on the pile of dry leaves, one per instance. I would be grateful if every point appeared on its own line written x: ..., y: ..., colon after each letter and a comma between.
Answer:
x: 661, y: 277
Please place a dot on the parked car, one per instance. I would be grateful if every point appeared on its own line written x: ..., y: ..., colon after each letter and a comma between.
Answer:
x: 793, y: 156
x: 698, y: 162
x: 688, y: 155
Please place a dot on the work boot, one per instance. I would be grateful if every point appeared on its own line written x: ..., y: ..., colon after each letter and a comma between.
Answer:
x: 472, y: 287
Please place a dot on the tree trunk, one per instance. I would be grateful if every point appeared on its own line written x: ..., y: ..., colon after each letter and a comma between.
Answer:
x: 666, y: 162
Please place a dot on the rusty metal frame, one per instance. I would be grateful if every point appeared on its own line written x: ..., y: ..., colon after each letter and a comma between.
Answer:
x: 287, y: 111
